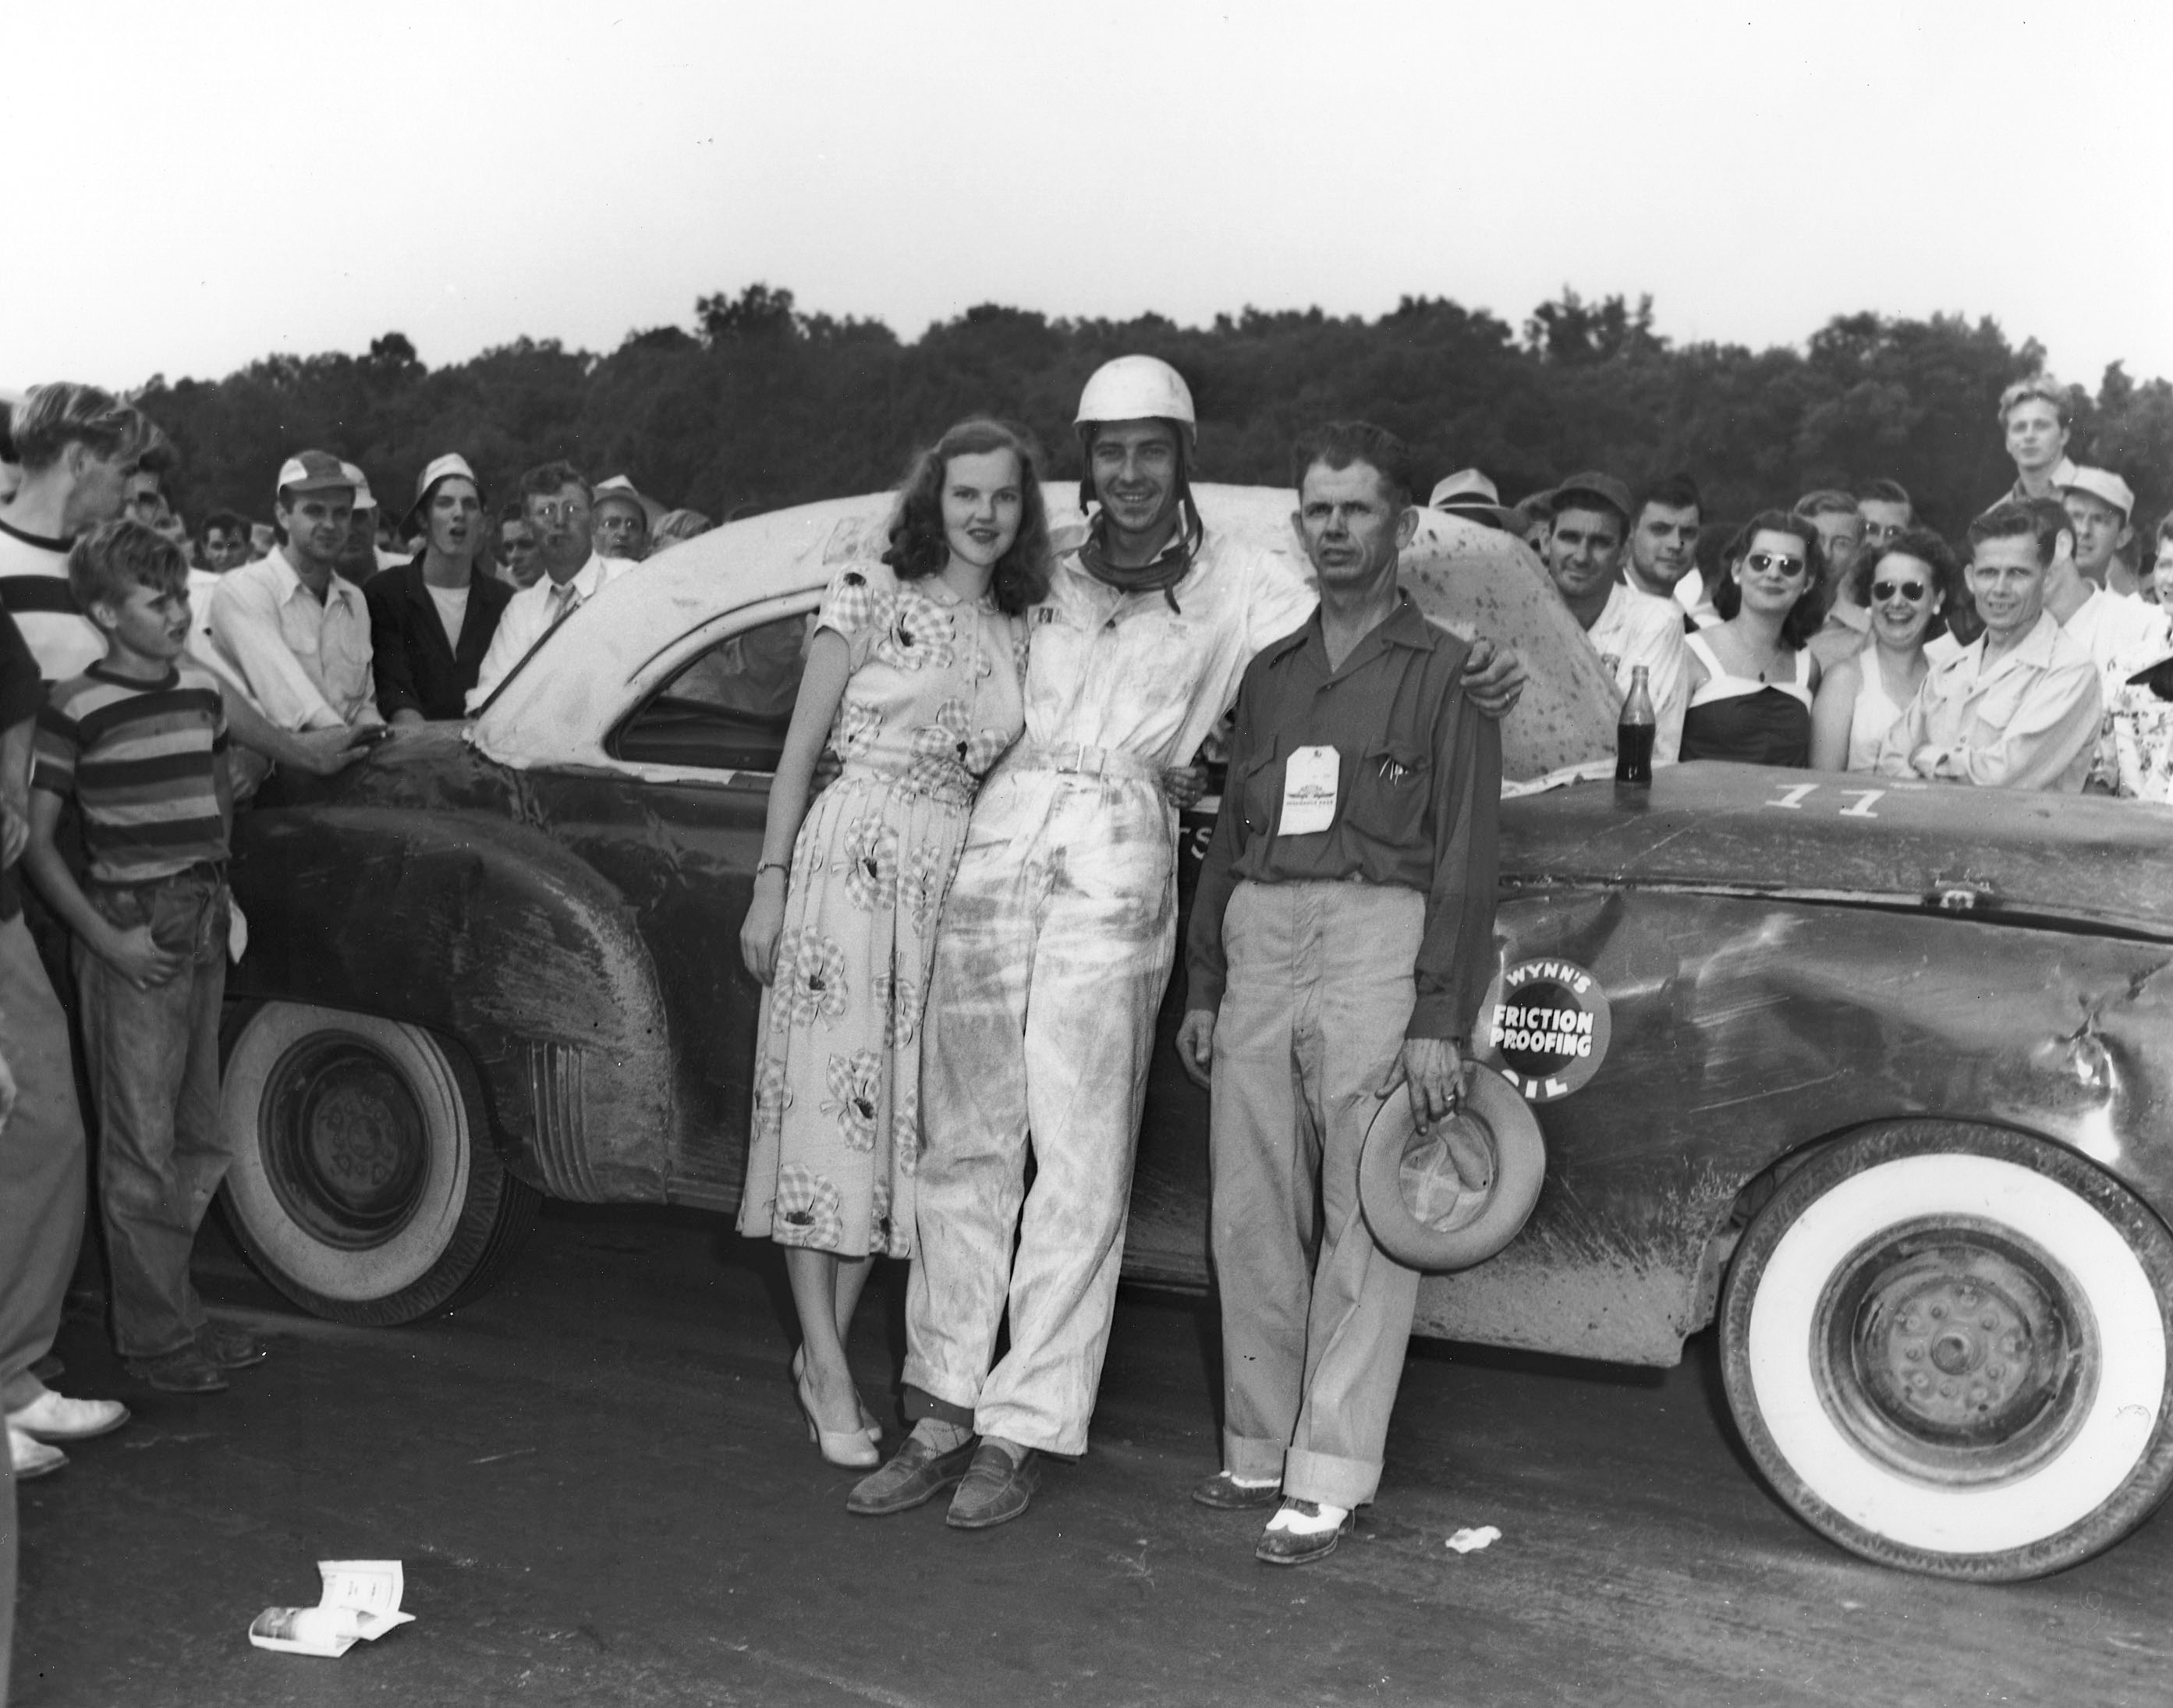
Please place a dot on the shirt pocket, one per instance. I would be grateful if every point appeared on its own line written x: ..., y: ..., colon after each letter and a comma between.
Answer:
x: 1390, y: 788
x: 1255, y: 792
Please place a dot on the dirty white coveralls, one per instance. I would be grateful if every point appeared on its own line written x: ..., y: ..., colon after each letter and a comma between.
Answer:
x: 1050, y: 964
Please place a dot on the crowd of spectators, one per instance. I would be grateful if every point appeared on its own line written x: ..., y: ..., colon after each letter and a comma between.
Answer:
x: 1843, y: 634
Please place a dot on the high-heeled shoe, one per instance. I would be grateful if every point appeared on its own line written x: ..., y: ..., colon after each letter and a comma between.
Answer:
x: 869, y: 1427
x: 849, y: 1449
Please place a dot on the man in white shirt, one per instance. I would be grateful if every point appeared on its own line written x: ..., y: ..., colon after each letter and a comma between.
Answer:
x: 561, y: 506
x: 291, y: 626
x: 1663, y: 543
x: 2101, y: 506
x: 2019, y: 708
x: 1584, y: 551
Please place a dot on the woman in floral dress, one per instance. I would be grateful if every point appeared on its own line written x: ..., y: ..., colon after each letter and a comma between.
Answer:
x: 913, y: 679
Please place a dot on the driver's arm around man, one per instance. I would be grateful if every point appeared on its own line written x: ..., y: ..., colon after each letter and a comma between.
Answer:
x: 1341, y: 941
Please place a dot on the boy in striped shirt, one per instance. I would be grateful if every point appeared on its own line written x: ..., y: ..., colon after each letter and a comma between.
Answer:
x: 138, y: 741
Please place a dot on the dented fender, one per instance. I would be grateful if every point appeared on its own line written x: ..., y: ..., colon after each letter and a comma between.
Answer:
x: 492, y: 934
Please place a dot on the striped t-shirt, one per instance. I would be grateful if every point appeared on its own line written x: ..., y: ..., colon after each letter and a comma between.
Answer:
x: 141, y: 759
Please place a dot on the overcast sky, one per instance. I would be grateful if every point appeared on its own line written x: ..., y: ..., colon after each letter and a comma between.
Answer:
x: 191, y: 187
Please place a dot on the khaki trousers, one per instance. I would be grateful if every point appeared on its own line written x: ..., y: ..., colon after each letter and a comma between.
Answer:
x: 1315, y: 1315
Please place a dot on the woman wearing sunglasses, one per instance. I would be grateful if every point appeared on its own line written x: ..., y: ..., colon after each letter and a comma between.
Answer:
x: 1752, y: 680
x: 1907, y: 582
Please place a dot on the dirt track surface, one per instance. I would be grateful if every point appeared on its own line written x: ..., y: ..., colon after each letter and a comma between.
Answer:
x: 603, y: 1494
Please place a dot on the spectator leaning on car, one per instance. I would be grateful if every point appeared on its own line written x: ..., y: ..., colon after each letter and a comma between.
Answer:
x: 2018, y: 707
x: 1626, y: 627
x: 291, y: 626
x: 432, y: 621
x: 1341, y: 941
x: 560, y: 510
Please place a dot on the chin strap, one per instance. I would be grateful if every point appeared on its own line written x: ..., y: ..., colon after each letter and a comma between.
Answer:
x: 1168, y: 566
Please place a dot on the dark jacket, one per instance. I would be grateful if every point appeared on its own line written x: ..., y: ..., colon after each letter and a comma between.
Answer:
x: 416, y: 670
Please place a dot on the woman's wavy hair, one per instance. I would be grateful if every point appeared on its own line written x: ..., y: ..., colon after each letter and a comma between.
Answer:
x: 917, y: 545
x: 1808, y: 613
x: 1928, y: 549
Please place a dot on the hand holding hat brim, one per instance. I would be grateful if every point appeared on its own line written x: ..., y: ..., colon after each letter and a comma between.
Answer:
x: 1457, y: 1222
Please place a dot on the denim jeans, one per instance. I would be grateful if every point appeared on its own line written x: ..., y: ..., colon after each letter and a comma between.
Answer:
x: 41, y: 1169
x: 153, y: 1060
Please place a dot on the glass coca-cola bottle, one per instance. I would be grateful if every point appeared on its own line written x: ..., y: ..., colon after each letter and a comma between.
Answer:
x: 1634, y: 731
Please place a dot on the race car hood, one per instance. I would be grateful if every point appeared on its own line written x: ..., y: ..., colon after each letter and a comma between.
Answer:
x: 1990, y: 854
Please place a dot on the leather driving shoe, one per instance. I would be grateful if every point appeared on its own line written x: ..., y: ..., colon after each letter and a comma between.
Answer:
x: 230, y: 1348
x: 31, y: 1457
x: 54, y: 1417
x: 1295, y: 1547
x: 915, y: 1474
x: 997, y: 1489
x: 183, y: 1371
x: 1226, y: 1494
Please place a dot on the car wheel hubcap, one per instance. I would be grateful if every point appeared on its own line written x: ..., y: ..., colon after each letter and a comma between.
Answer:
x: 1956, y: 1352
x: 345, y: 1142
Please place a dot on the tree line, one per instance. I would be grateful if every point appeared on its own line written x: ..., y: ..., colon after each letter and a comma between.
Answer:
x: 760, y: 405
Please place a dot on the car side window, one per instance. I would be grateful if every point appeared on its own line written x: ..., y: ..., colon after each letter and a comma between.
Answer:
x: 725, y: 710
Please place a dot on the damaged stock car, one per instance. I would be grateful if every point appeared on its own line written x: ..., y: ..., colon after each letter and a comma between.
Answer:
x: 1876, y: 1076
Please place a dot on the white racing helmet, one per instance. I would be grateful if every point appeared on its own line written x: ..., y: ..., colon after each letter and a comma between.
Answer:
x: 1137, y: 388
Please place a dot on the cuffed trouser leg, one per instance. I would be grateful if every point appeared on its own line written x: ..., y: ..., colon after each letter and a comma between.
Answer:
x: 41, y: 1168
x: 1319, y: 992
x: 153, y: 1058
x: 1085, y: 916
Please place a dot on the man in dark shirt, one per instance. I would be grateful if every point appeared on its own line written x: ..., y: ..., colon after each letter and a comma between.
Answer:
x: 432, y: 620
x: 1341, y: 941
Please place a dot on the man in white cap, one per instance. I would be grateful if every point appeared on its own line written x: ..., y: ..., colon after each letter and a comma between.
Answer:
x: 2101, y: 506
x: 621, y: 521
x: 291, y: 626
x: 562, y: 515
x: 1586, y: 541
x: 431, y: 621
x: 1053, y: 949
x: 2121, y: 633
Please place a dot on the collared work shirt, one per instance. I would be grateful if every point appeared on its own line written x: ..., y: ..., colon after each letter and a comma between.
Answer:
x: 1418, y: 778
x: 1122, y: 670
x: 2028, y: 720
x: 533, y: 612
x: 1636, y: 628
x: 305, y: 661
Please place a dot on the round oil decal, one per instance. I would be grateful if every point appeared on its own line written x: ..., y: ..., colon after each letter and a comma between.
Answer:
x: 1545, y: 1025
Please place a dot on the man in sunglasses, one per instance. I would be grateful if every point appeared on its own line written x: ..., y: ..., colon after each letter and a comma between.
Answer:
x: 2019, y: 706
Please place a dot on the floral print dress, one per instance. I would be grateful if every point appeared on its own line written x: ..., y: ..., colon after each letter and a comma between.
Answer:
x: 932, y: 701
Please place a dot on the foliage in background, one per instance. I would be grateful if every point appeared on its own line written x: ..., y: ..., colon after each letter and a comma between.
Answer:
x: 760, y: 405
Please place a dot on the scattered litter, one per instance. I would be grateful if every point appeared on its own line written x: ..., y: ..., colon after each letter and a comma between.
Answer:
x: 493, y: 1458
x: 1470, y: 1541
x: 361, y: 1601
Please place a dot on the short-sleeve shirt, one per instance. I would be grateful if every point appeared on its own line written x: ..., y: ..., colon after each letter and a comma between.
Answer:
x: 141, y: 760
x: 933, y: 696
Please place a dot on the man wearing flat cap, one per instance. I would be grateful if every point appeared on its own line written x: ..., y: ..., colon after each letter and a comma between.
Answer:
x: 1341, y: 941
x: 432, y: 621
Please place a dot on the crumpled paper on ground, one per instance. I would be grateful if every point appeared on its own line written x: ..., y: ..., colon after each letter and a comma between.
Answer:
x: 361, y: 1603
x: 1470, y: 1541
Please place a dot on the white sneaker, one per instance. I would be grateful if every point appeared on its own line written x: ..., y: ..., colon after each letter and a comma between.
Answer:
x: 32, y: 1456
x: 54, y: 1417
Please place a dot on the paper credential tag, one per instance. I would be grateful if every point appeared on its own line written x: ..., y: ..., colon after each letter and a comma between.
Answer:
x: 1308, y: 792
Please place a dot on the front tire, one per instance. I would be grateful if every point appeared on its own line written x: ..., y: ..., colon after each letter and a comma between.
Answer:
x: 363, y: 1184
x: 1947, y: 1347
